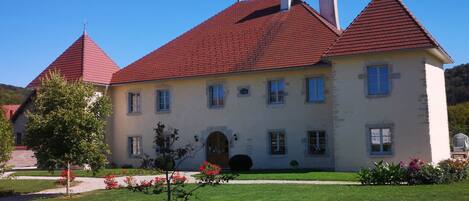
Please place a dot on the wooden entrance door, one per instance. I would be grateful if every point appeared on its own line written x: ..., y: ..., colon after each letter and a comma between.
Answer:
x: 218, y: 149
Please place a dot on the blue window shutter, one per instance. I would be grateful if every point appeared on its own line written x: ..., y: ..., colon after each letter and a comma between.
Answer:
x: 320, y: 89
x: 372, y: 80
x: 384, y: 80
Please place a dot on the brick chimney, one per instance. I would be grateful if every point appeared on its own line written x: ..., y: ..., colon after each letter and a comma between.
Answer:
x: 285, y: 5
x: 328, y: 10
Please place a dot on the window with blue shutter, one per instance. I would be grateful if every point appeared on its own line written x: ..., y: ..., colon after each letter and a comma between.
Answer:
x: 378, y: 82
x: 276, y: 90
x: 315, y: 88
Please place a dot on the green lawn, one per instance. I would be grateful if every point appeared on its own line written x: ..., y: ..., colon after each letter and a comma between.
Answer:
x: 305, y: 175
x: 453, y: 192
x: 82, y: 173
x: 298, y: 175
x: 14, y: 187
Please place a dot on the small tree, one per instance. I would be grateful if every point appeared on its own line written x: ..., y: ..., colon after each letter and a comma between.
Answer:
x: 170, y: 155
x: 67, y: 125
x: 6, y: 143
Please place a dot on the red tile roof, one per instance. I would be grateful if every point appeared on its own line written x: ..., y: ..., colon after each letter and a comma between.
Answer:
x: 9, y: 110
x: 384, y: 25
x: 250, y: 35
x: 84, y: 59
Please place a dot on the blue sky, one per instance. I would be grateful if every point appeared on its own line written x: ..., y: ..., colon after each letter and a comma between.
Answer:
x: 34, y: 33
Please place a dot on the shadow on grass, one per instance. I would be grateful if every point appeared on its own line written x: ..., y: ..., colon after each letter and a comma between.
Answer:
x: 14, y: 196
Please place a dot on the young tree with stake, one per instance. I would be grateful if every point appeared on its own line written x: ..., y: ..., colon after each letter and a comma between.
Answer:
x: 66, y: 125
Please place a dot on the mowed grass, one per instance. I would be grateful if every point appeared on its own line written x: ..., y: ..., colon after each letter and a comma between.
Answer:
x: 83, y: 173
x: 453, y: 192
x: 298, y: 175
x: 14, y: 187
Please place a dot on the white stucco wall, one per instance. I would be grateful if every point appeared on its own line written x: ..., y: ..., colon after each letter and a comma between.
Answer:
x: 249, y: 117
x: 405, y: 109
x: 437, y: 110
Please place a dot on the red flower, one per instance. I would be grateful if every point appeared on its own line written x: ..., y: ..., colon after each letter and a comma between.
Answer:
x: 210, y: 169
x: 64, y: 175
x: 111, y: 183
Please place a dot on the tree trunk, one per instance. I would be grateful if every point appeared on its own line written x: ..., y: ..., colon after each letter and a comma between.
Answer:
x: 68, y: 179
x: 168, y: 184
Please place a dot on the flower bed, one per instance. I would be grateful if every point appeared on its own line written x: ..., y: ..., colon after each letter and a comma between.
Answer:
x: 416, y: 172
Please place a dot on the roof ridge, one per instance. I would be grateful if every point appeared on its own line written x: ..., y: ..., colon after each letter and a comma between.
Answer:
x: 348, y: 27
x: 84, y: 36
x: 318, y: 16
x: 378, y: 16
x: 427, y: 33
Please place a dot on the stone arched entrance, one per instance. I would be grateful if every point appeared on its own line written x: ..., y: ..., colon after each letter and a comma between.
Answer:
x: 217, y: 149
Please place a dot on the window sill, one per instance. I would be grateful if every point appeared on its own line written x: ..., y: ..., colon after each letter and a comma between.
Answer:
x: 383, y: 155
x: 315, y: 102
x: 216, y: 107
x: 134, y: 113
x: 276, y: 105
x: 163, y: 111
x: 378, y: 96
x: 134, y: 156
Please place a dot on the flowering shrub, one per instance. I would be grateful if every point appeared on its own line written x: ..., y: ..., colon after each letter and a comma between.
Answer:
x: 382, y: 173
x: 63, y: 177
x: 178, y: 178
x: 130, y: 182
x: 111, y: 183
x: 211, y: 175
x: 415, y: 172
x: 454, y: 170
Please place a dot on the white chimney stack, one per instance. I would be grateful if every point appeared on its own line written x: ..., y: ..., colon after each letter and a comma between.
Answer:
x: 329, y: 11
x: 285, y: 4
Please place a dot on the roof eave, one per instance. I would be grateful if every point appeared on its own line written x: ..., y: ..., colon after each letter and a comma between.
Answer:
x: 441, y: 54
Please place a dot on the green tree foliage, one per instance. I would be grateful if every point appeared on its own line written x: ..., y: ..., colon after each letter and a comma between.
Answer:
x: 458, y: 116
x: 6, y: 142
x: 457, y: 84
x: 67, y: 124
x: 11, y: 95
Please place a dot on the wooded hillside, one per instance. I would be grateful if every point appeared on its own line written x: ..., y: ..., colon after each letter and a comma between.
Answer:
x: 11, y: 95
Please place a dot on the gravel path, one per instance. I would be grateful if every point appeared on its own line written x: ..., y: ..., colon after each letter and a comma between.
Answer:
x: 88, y: 184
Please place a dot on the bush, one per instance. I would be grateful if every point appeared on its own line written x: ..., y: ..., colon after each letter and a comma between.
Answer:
x: 240, y: 163
x: 415, y: 173
x: 127, y: 166
x: 382, y: 173
x: 454, y: 170
x: 419, y: 172
x: 294, y: 164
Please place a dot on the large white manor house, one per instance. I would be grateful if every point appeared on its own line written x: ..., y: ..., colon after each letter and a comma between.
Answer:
x: 278, y: 81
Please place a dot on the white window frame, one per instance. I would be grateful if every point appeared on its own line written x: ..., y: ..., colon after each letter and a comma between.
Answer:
x: 278, y: 97
x: 134, y: 102
x: 166, y: 100
x: 382, y: 140
x: 134, y: 146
